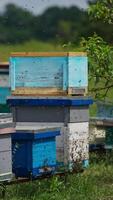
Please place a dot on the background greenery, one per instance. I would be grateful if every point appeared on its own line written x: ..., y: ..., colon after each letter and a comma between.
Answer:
x: 60, y: 25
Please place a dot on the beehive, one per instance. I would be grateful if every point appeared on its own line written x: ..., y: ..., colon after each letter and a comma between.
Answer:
x: 5, y: 151
x: 103, y: 131
x: 61, y: 112
x: 4, y: 82
x: 49, y: 73
x: 34, y: 151
x: 96, y: 133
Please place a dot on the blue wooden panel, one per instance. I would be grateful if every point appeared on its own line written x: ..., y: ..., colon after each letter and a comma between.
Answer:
x: 4, y: 92
x: 50, y: 102
x: 21, y: 157
x: 30, y: 156
x: 38, y: 72
x: 22, y: 135
x: 78, y: 72
x: 44, y: 153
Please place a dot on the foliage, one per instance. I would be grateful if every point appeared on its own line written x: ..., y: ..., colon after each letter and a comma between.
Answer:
x: 102, y: 10
x: 100, y: 53
x: 2, y: 190
x: 101, y: 65
x: 60, y: 24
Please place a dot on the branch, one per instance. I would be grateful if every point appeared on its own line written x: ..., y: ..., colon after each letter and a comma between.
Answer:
x: 101, y: 88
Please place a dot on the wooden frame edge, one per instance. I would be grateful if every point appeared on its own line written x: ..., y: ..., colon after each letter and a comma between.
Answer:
x: 47, y: 54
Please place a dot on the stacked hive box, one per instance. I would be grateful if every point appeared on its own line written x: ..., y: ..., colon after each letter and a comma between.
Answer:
x: 34, y: 151
x: 105, y: 112
x: 6, y: 128
x: 4, y: 82
x: 4, y: 86
x: 49, y: 73
x: 103, y: 123
x: 63, y: 76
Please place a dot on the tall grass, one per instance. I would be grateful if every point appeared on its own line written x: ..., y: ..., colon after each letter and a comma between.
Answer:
x: 95, y: 183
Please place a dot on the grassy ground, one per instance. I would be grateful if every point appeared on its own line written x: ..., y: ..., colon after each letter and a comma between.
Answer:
x: 31, y: 46
x: 95, y: 183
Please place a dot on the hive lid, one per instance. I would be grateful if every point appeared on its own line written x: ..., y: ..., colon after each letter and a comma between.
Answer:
x: 35, y: 128
x: 49, y: 101
x: 35, y: 132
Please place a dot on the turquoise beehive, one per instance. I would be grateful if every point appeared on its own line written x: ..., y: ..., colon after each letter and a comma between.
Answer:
x: 56, y: 73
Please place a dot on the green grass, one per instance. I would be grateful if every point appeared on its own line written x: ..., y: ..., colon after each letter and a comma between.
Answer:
x: 32, y: 46
x: 95, y: 183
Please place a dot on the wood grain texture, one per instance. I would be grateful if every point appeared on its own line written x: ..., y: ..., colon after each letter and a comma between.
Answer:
x: 47, y: 54
x: 38, y: 91
x: 77, y: 91
x: 48, y: 91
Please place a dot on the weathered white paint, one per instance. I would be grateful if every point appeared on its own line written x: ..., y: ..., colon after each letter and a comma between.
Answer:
x: 96, y: 134
x: 5, y: 157
x: 76, y: 142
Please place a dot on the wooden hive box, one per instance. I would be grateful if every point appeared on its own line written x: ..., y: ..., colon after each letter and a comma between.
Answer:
x: 4, y: 82
x: 63, y: 73
x: 5, y: 151
x: 34, y: 151
x: 50, y: 109
x: 104, y: 129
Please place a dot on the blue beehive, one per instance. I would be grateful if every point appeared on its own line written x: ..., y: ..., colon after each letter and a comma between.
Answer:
x: 56, y: 73
x: 34, y: 152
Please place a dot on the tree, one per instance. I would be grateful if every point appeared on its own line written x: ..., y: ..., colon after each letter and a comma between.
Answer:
x: 100, y: 53
x: 102, y: 10
x: 16, y: 24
